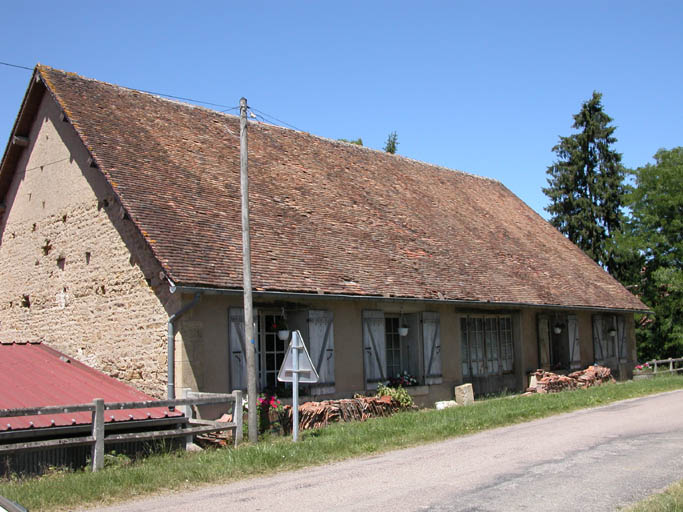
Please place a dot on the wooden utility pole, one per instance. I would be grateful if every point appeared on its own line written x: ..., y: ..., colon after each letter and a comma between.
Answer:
x: 246, y: 271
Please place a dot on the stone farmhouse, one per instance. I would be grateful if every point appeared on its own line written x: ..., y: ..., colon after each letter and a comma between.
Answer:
x: 121, y: 238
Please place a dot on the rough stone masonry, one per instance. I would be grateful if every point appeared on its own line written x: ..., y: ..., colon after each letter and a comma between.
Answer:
x: 74, y: 272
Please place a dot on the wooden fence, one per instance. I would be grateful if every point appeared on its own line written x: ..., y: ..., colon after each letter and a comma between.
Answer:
x: 675, y: 365
x: 99, y: 438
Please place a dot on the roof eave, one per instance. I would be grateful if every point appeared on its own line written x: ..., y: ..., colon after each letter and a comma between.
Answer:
x: 340, y: 296
x: 20, y: 129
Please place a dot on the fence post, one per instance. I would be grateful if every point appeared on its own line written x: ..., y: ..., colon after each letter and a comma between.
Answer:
x: 671, y: 365
x: 654, y: 362
x: 97, y: 450
x: 188, y: 412
x: 238, y: 416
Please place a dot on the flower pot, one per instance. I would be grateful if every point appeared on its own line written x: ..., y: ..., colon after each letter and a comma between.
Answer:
x: 403, y: 331
x: 283, y: 334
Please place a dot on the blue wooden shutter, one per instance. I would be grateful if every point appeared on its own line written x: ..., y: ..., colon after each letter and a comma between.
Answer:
x: 431, y: 338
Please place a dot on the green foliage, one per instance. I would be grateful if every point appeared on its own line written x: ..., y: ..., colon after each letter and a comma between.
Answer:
x: 586, y: 184
x: 357, y: 142
x: 399, y: 394
x: 392, y: 143
x: 652, y: 239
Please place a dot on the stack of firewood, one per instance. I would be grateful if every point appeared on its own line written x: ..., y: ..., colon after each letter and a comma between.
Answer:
x: 592, y: 376
x: 548, y: 382
x: 319, y: 414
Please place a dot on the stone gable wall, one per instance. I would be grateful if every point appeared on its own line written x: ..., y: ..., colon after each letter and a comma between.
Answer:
x: 74, y: 272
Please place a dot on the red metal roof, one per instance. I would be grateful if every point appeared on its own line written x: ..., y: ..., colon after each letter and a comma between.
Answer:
x: 35, y: 375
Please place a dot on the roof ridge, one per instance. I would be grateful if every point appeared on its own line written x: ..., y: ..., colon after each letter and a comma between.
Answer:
x: 159, y: 96
x: 266, y: 124
x: 367, y: 148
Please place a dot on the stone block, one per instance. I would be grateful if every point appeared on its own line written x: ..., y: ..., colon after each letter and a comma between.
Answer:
x: 464, y: 395
x: 445, y: 404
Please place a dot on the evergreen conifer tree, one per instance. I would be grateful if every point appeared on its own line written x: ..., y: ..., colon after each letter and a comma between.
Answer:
x: 392, y: 143
x: 586, y: 184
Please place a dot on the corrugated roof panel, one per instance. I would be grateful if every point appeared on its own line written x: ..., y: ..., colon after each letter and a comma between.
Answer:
x: 34, y: 375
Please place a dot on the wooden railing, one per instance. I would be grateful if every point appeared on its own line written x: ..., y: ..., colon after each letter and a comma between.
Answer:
x: 99, y: 438
x: 675, y: 365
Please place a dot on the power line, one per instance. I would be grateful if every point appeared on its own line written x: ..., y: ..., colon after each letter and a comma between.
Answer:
x: 15, y: 66
x: 187, y: 99
x: 278, y: 121
x: 227, y: 107
x: 267, y: 118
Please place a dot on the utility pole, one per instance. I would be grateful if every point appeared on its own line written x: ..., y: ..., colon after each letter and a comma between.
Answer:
x: 246, y: 271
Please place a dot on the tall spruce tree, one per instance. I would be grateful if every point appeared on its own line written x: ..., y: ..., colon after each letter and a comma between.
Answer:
x: 586, y: 184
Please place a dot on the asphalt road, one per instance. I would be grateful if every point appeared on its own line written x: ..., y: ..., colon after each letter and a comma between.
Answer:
x: 595, y: 459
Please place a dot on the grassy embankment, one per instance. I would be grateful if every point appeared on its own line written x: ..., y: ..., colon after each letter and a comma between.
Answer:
x: 124, y: 480
x: 671, y: 500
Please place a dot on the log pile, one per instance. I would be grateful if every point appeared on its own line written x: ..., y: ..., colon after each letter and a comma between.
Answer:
x: 592, y: 376
x: 320, y: 414
x: 548, y: 382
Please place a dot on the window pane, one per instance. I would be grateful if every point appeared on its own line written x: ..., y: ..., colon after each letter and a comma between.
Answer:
x: 393, y: 347
x: 476, y: 340
x: 464, y: 351
x: 507, y: 356
x: 492, y: 345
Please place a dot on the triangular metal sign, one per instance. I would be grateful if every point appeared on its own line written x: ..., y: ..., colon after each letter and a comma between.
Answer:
x: 307, y: 372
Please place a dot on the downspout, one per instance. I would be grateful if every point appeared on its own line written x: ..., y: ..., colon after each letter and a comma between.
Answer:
x: 171, y: 341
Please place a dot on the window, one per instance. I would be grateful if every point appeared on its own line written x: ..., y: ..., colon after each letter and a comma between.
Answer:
x: 393, y: 347
x: 486, y: 345
x: 317, y: 329
x: 388, y: 354
x: 272, y: 351
x: 609, y: 339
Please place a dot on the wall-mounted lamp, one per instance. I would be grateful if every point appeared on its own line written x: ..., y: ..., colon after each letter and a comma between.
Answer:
x: 402, y: 326
x: 282, y: 329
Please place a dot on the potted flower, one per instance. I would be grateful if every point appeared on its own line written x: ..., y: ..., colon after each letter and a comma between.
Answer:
x: 266, y: 404
x: 642, y: 371
x: 281, y: 327
x: 403, y: 380
x: 403, y: 330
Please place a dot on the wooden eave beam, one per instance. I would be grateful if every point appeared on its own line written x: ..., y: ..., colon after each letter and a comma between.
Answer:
x: 20, y: 140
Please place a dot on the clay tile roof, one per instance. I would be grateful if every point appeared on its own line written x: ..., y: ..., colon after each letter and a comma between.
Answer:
x: 35, y: 375
x: 326, y: 216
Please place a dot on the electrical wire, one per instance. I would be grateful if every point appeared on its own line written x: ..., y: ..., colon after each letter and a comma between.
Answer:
x: 15, y: 66
x: 277, y: 121
x: 227, y: 107
x: 264, y: 117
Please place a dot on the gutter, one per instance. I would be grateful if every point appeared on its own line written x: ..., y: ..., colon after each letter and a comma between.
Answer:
x: 171, y: 341
x: 341, y: 296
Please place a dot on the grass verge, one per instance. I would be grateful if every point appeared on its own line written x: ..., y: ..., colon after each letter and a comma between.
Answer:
x: 671, y: 500
x: 178, y: 470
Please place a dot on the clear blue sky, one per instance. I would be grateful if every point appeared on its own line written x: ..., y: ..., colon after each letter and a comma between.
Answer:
x: 484, y: 87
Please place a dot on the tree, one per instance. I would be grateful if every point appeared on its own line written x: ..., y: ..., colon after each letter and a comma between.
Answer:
x: 654, y: 237
x: 392, y: 143
x: 357, y: 142
x: 586, y: 184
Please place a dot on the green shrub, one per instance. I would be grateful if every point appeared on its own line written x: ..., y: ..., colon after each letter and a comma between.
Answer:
x: 399, y: 394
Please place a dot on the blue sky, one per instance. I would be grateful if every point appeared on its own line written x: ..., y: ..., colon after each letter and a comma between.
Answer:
x: 484, y: 87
